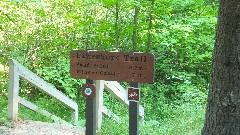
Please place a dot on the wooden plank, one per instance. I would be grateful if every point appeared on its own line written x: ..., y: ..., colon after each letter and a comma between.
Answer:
x: 40, y: 110
x: 110, y: 114
x: 112, y: 66
x: 121, y: 94
x: 49, y: 89
x: 13, y: 91
x: 99, y: 102
x: 118, y: 92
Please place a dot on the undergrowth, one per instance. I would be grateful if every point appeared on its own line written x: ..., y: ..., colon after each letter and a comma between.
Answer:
x: 182, y: 117
x: 186, y: 119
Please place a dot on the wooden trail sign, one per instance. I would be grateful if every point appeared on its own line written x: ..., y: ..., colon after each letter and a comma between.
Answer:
x: 112, y: 66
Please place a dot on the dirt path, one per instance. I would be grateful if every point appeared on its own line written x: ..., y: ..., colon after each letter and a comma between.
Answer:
x: 40, y: 128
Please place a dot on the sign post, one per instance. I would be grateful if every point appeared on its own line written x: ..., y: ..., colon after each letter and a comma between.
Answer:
x: 88, y: 90
x: 134, y: 110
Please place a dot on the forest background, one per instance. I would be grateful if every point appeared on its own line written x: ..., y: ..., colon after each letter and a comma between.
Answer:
x: 180, y: 33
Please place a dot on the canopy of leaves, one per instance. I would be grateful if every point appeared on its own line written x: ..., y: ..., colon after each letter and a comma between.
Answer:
x: 41, y: 33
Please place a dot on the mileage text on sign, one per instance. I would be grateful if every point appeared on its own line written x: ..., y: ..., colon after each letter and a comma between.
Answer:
x: 112, y: 66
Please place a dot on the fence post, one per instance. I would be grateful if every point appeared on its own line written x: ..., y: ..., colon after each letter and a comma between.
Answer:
x: 13, y: 91
x: 99, y: 102
x: 74, y: 115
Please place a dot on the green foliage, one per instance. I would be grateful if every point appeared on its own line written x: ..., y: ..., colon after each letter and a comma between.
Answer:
x: 3, y: 83
x: 109, y: 127
x: 60, y: 77
x: 3, y: 112
x: 40, y: 35
x: 114, y: 105
x: 186, y: 119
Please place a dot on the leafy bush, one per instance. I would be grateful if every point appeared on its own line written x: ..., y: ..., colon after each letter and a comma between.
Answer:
x: 59, y: 75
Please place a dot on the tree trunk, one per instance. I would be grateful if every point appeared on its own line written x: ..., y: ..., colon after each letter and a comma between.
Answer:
x: 149, y: 40
x: 116, y: 27
x: 135, y: 28
x: 223, y: 105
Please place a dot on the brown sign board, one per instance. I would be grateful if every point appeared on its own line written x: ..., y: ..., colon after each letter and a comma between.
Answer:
x: 112, y: 66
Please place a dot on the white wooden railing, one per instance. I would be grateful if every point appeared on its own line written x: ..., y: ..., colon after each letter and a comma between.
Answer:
x: 16, y: 70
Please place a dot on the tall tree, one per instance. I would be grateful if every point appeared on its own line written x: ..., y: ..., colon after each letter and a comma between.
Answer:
x: 134, y: 38
x: 223, y: 105
x: 150, y: 26
x: 116, y: 26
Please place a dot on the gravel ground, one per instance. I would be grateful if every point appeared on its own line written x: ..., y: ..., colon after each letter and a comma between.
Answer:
x: 41, y: 128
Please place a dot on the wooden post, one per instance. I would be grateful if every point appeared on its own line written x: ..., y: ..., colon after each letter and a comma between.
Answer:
x: 99, y: 102
x: 74, y: 116
x: 134, y: 114
x: 90, y: 113
x: 13, y: 91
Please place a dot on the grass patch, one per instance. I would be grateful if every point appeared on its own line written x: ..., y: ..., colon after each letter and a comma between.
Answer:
x: 3, y: 113
x: 186, y: 119
x: 27, y: 114
x: 111, y: 127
